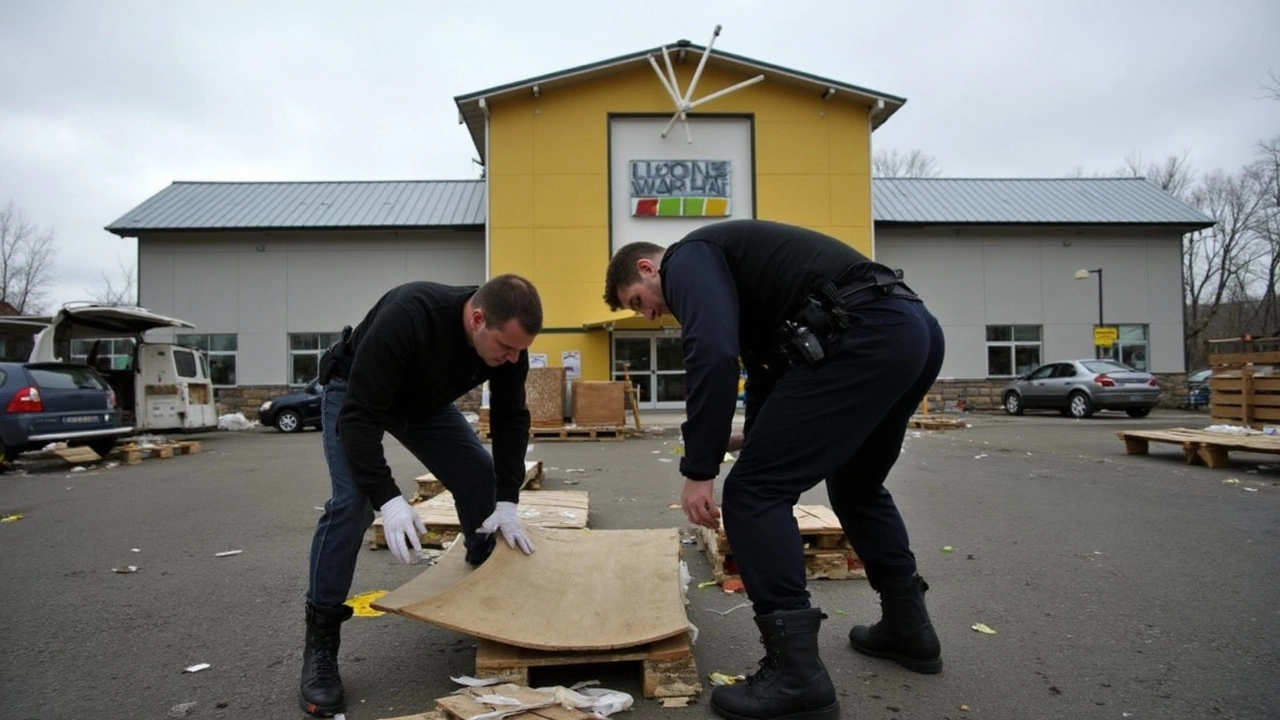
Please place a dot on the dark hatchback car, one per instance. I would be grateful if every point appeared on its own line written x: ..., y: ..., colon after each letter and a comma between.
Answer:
x: 52, y: 402
x: 295, y: 411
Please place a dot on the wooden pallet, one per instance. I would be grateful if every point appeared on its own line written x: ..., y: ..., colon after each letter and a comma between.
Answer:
x: 933, y: 422
x: 569, y: 433
x: 430, y: 486
x: 133, y: 454
x: 545, y: 508
x: 468, y: 704
x: 1199, y: 447
x: 827, y: 553
x: 667, y: 666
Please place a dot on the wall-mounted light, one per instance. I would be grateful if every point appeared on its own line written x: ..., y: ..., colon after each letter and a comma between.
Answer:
x: 537, y: 91
x: 827, y: 95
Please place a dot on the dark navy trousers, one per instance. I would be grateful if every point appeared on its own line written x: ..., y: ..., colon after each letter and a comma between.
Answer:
x: 842, y: 420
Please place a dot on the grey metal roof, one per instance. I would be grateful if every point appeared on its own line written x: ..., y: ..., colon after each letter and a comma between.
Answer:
x: 1064, y: 201
x: 278, y: 205
x: 461, y: 203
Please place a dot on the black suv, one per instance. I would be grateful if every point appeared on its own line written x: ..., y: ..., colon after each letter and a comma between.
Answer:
x: 295, y: 411
x: 53, y: 401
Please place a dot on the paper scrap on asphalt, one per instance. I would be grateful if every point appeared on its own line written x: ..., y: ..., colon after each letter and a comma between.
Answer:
x: 126, y: 569
x: 228, y: 553
x: 983, y: 628
x: 11, y: 518
x: 196, y: 668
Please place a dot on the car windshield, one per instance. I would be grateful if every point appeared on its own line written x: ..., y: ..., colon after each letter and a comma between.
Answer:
x: 1105, y: 366
x: 70, y: 377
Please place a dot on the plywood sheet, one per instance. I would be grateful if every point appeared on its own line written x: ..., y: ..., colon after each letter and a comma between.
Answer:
x: 581, y: 590
x: 599, y: 403
x: 544, y: 396
x: 544, y: 508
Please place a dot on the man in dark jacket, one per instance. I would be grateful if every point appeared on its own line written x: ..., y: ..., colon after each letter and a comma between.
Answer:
x: 838, y: 353
x: 422, y: 346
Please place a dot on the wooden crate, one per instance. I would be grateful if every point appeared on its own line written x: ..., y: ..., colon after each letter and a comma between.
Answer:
x: 827, y: 553
x: 430, y: 486
x: 1245, y: 386
x: 667, y: 665
x: 599, y: 403
x: 544, y: 394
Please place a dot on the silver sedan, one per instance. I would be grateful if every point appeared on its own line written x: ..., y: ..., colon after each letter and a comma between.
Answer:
x: 1080, y: 387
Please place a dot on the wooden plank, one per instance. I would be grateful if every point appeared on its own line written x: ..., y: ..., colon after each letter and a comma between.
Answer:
x: 429, y: 485
x: 77, y: 455
x: 1244, y: 358
x: 667, y: 666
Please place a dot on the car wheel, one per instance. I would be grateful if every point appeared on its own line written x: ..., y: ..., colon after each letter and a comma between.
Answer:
x: 1013, y: 403
x: 1138, y: 412
x: 289, y: 421
x: 1080, y: 405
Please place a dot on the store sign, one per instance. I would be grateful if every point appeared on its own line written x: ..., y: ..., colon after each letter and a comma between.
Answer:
x: 1105, y: 336
x: 680, y: 188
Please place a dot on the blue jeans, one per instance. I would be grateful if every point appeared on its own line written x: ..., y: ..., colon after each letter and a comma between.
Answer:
x: 842, y: 420
x: 445, y: 444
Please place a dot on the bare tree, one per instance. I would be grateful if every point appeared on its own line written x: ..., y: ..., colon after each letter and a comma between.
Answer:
x: 895, y: 164
x: 116, y: 291
x: 1271, y: 87
x: 26, y: 261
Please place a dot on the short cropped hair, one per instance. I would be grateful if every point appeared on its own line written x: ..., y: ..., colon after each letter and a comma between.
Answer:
x: 510, y: 296
x: 623, y: 271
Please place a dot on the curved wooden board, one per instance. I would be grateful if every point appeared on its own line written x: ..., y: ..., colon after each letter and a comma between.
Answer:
x: 581, y: 590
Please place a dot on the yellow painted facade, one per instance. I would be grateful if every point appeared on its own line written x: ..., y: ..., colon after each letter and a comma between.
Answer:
x: 548, y: 174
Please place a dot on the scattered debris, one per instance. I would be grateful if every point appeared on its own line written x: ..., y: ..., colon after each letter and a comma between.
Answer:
x: 721, y: 679
x: 135, y: 550
x: 733, y: 585
x: 964, y: 708
x: 227, y: 553
x: 979, y: 456
x: 947, y: 548
x: 474, y: 682
x: 739, y: 606
x: 15, y: 517
x: 196, y: 668
x: 1231, y: 481
x: 125, y: 570
x: 676, y: 702
x: 706, y: 584
x: 1249, y: 489
x: 983, y: 628
x: 361, y: 604
x: 235, y: 421
x: 665, y: 460
x: 181, y: 709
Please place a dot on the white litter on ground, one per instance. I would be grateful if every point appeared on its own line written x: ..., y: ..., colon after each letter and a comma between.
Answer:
x: 235, y: 421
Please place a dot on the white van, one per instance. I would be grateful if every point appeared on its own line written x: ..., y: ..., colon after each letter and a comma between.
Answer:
x: 160, y: 386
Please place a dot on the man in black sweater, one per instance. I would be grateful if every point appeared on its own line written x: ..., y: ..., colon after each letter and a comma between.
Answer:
x: 421, y: 347
x: 838, y: 353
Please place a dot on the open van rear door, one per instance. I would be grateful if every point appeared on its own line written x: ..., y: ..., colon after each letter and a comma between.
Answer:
x: 168, y: 387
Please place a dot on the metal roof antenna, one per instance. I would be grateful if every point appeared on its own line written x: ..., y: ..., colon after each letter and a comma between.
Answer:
x: 682, y: 102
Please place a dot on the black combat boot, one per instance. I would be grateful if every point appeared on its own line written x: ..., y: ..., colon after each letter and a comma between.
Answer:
x: 321, y: 684
x: 792, y: 683
x: 904, y: 632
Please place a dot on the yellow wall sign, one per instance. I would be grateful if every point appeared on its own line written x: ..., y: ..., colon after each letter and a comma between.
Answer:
x: 1105, y: 336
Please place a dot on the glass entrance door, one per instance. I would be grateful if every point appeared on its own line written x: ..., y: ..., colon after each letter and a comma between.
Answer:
x: 655, y: 362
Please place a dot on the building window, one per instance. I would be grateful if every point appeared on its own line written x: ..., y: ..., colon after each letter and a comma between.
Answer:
x: 112, y: 353
x: 220, y: 350
x: 1131, y: 346
x: 1012, y: 349
x: 304, y: 355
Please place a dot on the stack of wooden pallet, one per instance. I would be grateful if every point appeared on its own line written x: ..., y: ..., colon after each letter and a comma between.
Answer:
x: 827, y: 552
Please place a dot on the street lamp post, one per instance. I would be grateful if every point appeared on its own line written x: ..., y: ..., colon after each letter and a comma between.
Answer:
x: 1083, y: 274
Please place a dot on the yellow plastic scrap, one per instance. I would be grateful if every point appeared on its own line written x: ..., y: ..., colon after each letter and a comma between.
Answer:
x: 983, y: 628
x: 360, y: 603
x: 11, y: 518
x: 707, y: 584
x: 722, y: 679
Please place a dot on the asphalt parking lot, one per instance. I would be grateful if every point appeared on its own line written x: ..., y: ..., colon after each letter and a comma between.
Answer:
x: 1118, y: 586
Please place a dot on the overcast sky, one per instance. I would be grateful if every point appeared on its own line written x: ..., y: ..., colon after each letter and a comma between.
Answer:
x: 104, y: 103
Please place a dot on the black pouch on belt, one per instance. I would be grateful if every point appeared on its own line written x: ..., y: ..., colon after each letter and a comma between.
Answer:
x: 334, y: 358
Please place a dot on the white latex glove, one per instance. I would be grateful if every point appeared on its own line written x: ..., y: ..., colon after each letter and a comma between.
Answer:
x: 400, y: 520
x: 507, y: 519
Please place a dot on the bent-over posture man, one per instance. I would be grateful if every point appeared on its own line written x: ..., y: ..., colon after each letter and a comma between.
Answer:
x: 421, y: 347
x: 838, y: 352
